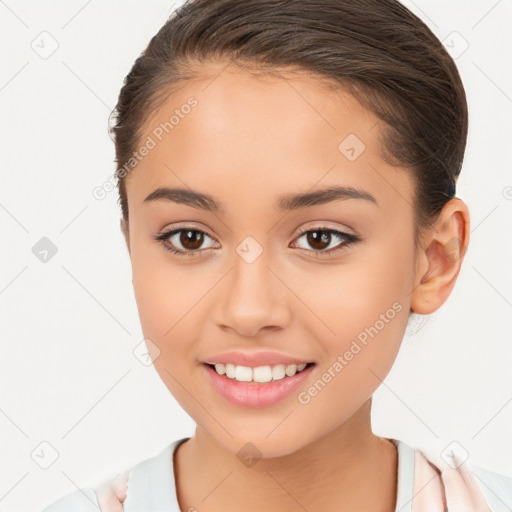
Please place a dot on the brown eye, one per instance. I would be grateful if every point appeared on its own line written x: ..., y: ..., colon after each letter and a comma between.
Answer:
x: 184, y: 241
x: 318, y: 239
x: 191, y: 239
x: 322, y: 238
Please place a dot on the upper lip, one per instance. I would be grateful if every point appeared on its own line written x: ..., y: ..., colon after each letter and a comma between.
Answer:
x: 254, y: 359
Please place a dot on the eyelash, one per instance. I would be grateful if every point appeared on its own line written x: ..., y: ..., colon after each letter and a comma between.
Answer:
x: 349, y: 240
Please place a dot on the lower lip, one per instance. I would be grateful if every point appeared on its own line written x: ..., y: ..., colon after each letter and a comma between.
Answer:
x: 252, y: 394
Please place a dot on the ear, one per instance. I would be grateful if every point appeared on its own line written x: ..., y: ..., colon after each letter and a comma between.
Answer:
x: 440, y: 258
x: 126, y: 233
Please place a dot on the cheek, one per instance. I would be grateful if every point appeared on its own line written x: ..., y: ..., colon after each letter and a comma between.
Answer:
x: 172, y: 303
x: 163, y: 295
x: 367, y: 330
x: 361, y: 309
x: 165, y: 301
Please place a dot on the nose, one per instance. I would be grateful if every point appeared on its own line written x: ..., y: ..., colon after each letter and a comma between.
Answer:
x: 252, y: 298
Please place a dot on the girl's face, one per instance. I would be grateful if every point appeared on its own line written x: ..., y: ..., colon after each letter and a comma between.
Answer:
x: 267, y: 275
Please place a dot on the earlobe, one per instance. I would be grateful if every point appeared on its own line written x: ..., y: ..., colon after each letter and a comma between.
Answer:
x: 126, y: 233
x: 441, y: 258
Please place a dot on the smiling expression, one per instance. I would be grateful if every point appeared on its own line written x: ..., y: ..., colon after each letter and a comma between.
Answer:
x: 296, y: 237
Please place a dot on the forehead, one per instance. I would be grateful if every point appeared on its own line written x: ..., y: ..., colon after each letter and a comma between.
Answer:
x: 296, y: 106
x: 269, y: 133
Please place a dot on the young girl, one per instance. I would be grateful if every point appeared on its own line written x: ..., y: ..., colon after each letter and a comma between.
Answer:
x: 287, y: 175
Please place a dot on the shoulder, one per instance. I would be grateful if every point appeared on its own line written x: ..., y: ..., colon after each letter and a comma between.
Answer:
x: 496, y: 488
x: 108, y: 496
x: 146, y: 481
x: 452, y: 479
x: 81, y: 500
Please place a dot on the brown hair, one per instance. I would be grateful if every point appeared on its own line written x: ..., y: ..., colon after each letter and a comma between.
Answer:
x: 376, y: 49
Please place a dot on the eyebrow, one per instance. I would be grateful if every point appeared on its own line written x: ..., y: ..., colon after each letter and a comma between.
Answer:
x: 287, y: 203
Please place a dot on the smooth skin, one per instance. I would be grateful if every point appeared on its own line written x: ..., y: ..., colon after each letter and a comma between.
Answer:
x: 248, y: 142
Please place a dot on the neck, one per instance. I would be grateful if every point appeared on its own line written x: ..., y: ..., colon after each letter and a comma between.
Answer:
x: 348, y: 469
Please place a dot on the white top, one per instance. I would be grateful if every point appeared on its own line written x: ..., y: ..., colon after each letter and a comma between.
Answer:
x: 149, y: 486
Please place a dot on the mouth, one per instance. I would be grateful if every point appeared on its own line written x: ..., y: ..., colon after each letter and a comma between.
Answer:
x: 248, y: 392
x: 259, y: 374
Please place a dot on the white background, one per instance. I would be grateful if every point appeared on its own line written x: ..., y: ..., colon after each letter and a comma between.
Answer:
x: 69, y: 326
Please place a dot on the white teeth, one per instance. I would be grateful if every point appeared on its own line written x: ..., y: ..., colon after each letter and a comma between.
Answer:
x: 230, y: 371
x: 220, y: 369
x: 262, y: 374
x: 278, y: 372
x: 259, y: 374
x: 243, y: 373
x: 291, y: 370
